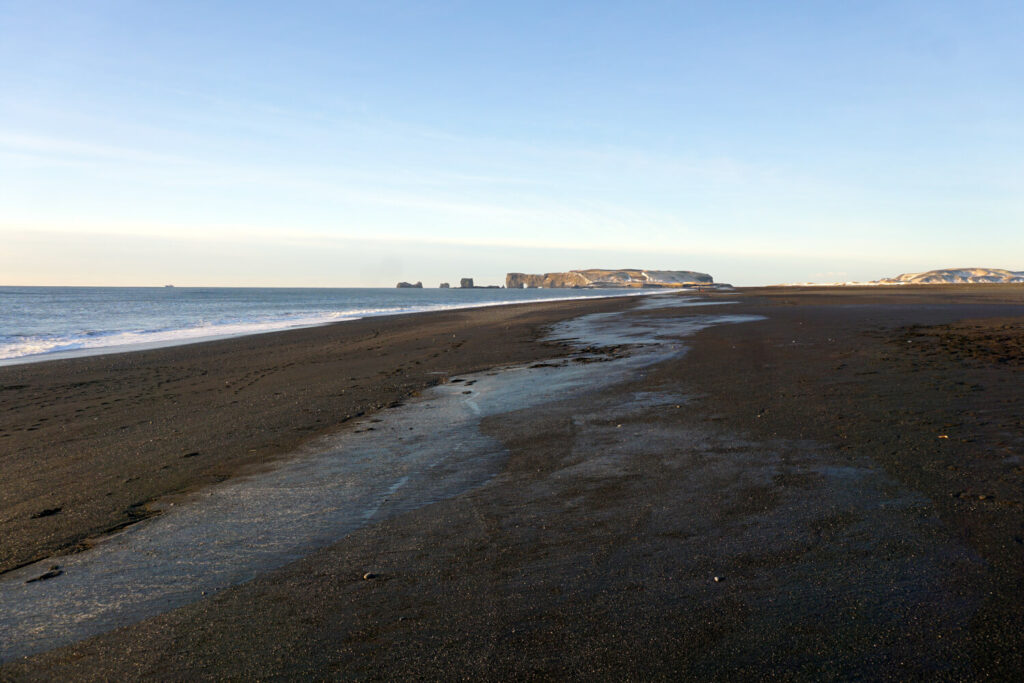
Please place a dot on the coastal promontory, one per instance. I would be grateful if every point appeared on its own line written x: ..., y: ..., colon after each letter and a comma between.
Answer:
x: 948, y: 276
x: 596, y: 277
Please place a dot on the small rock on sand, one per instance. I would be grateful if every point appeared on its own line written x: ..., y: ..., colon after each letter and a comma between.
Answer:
x: 54, y: 572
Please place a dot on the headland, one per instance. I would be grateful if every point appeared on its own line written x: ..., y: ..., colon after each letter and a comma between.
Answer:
x: 601, y: 278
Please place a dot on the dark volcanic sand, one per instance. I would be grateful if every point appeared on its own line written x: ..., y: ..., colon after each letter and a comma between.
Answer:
x: 851, y: 469
x: 85, y: 444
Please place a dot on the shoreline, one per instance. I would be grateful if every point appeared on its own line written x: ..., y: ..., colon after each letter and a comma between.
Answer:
x: 777, y: 500
x: 99, y: 437
x: 63, y: 354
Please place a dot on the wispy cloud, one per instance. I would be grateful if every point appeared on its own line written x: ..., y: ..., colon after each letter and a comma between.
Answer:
x: 69, y: 150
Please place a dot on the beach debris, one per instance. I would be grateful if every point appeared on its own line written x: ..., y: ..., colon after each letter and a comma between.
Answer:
x: 943, y: 436
x: 191, y: 455
x: 370, y: 575
x: 54, y: 572
x: 718, y: 579
x: 46, y: 513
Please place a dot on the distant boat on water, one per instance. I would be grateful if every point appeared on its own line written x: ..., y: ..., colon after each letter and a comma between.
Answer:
x: 168, y: 285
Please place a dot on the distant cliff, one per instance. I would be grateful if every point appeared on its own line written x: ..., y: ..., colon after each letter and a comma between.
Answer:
x: 595, y: 277
x: 955, y: 276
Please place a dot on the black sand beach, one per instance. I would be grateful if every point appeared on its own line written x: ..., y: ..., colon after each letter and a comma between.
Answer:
x: 833, y: 492
x: 94, y: 440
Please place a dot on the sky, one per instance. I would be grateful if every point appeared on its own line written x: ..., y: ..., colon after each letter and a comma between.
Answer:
x: 363, y: 143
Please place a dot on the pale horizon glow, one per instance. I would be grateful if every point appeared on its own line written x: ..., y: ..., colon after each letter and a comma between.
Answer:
x: 346, y: 144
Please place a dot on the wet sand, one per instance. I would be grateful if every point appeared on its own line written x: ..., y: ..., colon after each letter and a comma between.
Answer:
x: 87, y: 444
x: 849, y: 468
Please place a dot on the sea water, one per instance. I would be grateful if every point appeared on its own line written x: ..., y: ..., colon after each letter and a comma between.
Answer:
x: 40, y: 323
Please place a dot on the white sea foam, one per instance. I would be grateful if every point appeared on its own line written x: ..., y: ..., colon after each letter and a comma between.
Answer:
x: 16, y: 348
x: 27, y: 346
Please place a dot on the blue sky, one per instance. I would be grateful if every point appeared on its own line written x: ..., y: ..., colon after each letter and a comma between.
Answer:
x: 357, y: 144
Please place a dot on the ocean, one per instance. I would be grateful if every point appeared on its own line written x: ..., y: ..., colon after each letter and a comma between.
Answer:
x: 41, y: 323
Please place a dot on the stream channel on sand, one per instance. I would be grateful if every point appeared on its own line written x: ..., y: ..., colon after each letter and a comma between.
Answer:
x: 427, y: 450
